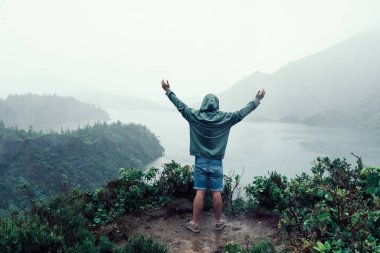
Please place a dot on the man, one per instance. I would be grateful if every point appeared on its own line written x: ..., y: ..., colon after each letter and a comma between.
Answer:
x: 209, y: 130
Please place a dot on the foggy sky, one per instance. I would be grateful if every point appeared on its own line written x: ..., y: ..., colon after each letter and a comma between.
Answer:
x: 126, y: 47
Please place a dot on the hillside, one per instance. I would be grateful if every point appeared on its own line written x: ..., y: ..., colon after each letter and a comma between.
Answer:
x: 48, y: 112
x: 335, y: 87
x: 85, y: 158
x: 112, y: 101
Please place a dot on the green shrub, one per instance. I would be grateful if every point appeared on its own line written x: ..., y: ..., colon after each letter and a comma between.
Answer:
x: 176, y: 181
x: 262, y: 246
x: 89, y: 246
x: 33, y: 234
x: 335, y: 207
x: 137, y: 190
x: 233, y: 247
x: 105, y: 246
x: 85, y: 246
x: 29, y: 234
x: 67, y: 213
x: 231, y: 187
x: 141, y: 244
x: 268, y: 192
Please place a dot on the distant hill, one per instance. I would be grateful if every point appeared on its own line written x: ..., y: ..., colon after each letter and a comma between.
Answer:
x: 112, y: 101
x: 339, y: 86
x: 48, y: 112
x: 83, y: 158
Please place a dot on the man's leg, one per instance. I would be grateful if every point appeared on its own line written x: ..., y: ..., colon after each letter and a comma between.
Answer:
x: 198, y: 206
x: 216, y: 186
x: 217, y: 205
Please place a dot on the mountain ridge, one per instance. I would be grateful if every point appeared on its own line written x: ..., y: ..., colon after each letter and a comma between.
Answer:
x: 115, y: 101
x: 47, y: 112
x: 339, y: 79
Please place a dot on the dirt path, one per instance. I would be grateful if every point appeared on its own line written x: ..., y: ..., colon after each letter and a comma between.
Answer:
x: 172, y: 231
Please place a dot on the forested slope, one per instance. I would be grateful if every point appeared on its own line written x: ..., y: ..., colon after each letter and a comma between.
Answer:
x: 41, y: 164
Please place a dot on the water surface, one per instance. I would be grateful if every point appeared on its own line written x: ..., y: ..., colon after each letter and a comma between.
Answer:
x: 259, y: 147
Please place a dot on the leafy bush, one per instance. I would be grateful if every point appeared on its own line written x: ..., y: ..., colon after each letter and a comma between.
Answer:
x: 262, y: 246
x: 233, y: 247
x: 176, y: 181
x: 52, y: 226
x: 231, y: 187
x: 105, y: 246
x: 335, y: 209
x: 29, y: 234
x: 137, y: 190
x: 268, y: 192
x: 86, y: 246
x: 141, y: 244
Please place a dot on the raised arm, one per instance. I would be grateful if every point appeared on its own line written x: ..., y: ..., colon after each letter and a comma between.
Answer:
x: 242, y: 113
x: 181, y: 106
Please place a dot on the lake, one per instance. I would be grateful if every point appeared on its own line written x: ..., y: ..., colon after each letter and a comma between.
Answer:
x: 257, y: 148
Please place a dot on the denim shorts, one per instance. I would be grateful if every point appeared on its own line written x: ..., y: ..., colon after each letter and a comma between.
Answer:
x: 208, y: 172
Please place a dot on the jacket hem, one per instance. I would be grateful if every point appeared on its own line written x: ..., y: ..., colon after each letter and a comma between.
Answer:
x: 206, y: 156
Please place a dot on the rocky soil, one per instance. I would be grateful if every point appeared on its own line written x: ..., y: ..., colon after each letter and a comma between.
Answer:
x: 243, y: 229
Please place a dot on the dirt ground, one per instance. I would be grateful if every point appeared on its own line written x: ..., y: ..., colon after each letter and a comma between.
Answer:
x: 172, y: 231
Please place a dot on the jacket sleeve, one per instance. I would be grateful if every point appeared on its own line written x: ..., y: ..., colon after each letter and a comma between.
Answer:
x: 242, y: 113
x: 181, y: 106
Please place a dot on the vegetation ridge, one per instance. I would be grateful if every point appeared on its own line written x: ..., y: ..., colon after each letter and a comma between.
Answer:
x: 42, y: 164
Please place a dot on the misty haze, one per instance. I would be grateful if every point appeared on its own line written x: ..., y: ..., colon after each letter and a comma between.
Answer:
x: 82, y: 111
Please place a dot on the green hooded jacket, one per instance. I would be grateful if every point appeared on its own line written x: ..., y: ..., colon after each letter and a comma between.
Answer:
x: 209, y: 127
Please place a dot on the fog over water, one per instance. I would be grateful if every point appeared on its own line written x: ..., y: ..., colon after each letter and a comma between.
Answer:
x: 260, y: 147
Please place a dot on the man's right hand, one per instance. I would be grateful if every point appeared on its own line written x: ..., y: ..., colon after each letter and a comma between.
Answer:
x: 260, y: 94
x: 165, y: 85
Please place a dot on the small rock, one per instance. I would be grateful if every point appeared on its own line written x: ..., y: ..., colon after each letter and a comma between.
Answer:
x: 147, y: 226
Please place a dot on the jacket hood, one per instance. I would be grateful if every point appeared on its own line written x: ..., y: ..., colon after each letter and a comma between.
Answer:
x: 210, y: 103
